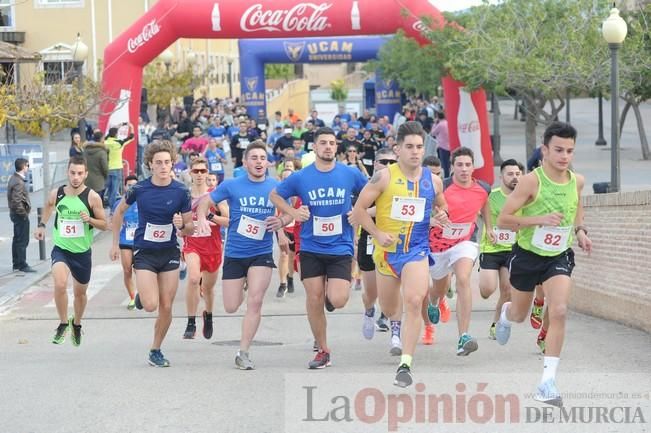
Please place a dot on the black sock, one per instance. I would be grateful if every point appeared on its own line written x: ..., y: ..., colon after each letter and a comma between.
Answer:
x: 191, y: 320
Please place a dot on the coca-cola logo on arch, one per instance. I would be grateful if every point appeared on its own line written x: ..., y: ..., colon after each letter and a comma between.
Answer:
x: 301, y: 17
x: 148, y: 31
x: 468, y: 127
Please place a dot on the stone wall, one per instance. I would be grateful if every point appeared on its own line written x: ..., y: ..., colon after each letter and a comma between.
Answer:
x: 614, y: 282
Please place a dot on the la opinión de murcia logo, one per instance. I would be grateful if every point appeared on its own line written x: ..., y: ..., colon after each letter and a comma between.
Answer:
x: 148, y: 31
x: 302, y: 17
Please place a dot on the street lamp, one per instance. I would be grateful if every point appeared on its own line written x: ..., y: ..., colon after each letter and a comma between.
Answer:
x: 166, y: 57
x: 79, y: 55
x: 601, y: 141
x: 614, y: 32
x: 230, y: 77
x: 191, y: 58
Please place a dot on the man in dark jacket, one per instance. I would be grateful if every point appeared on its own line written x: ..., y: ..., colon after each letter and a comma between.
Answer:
x: 19, y: 208
x: 97, y: 162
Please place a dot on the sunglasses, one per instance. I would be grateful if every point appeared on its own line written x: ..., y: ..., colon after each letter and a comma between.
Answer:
x: 386, y: 161
x: 352, y: 151
x: 199, y: 171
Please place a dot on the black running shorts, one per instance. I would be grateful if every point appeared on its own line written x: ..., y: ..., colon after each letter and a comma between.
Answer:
x: 325, y: 265
x: 494, y: 261
x: 157, y: 260
x: 234, y: 269
x: 528, y: 269
x: 80, y: 264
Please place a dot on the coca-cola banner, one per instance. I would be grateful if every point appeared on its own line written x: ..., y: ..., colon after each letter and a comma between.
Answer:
x: 255, y: 53
x: 468, y: 125
x: 169, y: 20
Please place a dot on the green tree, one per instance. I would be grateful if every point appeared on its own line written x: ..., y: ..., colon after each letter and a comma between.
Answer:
x: 164, y: 84
x: 338, y: 91
x: 279, y: 71
x: 635, y: 69
x: 537, y: 49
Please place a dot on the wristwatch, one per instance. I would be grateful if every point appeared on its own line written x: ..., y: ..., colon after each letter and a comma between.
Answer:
x: 210, y: 216
x: 41, y: 225
x: 580, y: 227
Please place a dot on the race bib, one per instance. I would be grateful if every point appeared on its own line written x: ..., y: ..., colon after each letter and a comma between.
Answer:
x: 251, y: 228
x: 158, y: 233
x: 552, y: 239
x: 367, y: 161
x: 369, y: 245
x: 130, y: 233
x: 408, y: 209
x: 504, y: 236
x: 310, y: 145
x: 243, y: 143
x: 262, y: 127
x: 327, y: 226
x: 456, y: 231
x: 216, y: 166
x: 71, y: 228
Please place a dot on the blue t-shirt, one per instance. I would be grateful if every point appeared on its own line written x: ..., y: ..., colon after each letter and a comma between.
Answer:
x: 345, y: 117
x: 129, y: 223
x: 233, y: 131
x: 216, y: 131
x: 327, y: 194
x: 156, y: 208
x: 215, y: 165
x: 247, y: 199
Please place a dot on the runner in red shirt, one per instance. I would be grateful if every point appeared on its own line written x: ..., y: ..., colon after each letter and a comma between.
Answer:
x: 454, y: 247
x: 202, y: 253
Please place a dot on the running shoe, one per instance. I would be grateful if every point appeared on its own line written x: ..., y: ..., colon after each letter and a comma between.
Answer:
x: 433, y: 313
x: 368, y: 326
x: 403, y: 376
x: 60, y: 334
x: 190, y: 331
x: 466, y: 345
x: 137, y: 302
x: 75, y: 335
x: 491, y: 332
x: 396, y: 346
x: 502, y: 330
x: 132, y: 304
x: 540, y: 341
x: 157, y: 359
x: 290, y: 285
x: 328, y: 305
x: 536, y: 317
x: 207, y: 325
x: 321, y: 360
x: 547, y: 393
x: 282, y: 289
x: 428, y: 335
x: 243, y: 362
x: 444, y: 308
x: 382, y: 323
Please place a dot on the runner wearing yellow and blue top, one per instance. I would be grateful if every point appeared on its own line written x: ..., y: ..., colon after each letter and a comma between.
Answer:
x: 494, y: 257
x: 127, y: 233
x: 549, y: 199
x: 404, y: 195
x: 326, y: 253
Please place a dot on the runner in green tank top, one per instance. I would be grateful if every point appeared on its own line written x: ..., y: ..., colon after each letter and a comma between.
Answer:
x: 78, y: 210
x: 494, y: 256
x: 549, y: 199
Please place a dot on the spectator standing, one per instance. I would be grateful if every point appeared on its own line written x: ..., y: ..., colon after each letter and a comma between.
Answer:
x: 75, y: 145
x: 115, y: 147
x: 440, y: 132
x: 97, y: 162
x: 19, y: 209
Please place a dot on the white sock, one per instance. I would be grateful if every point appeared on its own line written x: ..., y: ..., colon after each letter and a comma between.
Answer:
x: 549, y: 370
x: 503, y: 318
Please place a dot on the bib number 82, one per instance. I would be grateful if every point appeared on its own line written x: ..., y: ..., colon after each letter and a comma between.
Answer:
x: 551, y: 239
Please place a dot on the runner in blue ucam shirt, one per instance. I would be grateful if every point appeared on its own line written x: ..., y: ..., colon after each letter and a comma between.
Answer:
x: 127, y: 232
x: 249, y: 244
x: 164, y: 208
x: 216, y: 158
x: 325, y: 189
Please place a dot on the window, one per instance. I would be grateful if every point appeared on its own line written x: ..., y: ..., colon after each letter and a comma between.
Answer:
x: 59, y: 71
x: 58, y: 3
x: 7, y: 13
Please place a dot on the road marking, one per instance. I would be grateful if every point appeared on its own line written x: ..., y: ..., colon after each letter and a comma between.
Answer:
x: 100, y: 276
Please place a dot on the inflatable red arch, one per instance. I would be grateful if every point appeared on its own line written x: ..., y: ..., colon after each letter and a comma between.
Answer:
x: 169, y: 20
